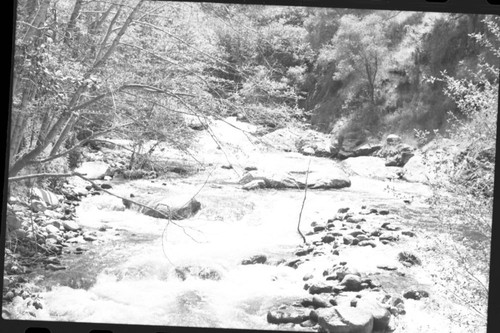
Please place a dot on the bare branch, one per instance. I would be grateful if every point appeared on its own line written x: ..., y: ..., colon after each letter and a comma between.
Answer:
x: 81, y: 143
x: 303, y: 202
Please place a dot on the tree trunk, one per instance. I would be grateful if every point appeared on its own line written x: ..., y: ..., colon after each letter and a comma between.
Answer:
x: 38, y: 16
x: 64, y: 134
x: 72, y: 22
x: 58, y: 127
x: 17, y: 133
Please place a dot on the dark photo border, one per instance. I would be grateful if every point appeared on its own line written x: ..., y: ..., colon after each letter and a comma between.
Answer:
x: 9, y: 13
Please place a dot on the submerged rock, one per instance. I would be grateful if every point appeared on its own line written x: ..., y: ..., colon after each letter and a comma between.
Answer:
x: 286, y: 315
x: 415, y: 294
x: 257, y: 259
x: 204, y: 273
x: 324, y: 178
x: 175, y: 208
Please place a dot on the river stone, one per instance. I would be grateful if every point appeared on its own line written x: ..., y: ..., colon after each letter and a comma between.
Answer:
x: 351, y: 282
x: 257, y: 259
x: 356, y: 233
x: 316, y: 302
x: 321, y: 178
x: 308, y: 323
x: 395, y: 304
x: 254, y: 184
x: 381, y: 315
x: 362, y: 237
x: 415, y: 294
x: 415, y: 170
x: 348, y: 239
x: 387, y: 267
x: 366, y: 149
x: 70, y: 225
x: 328, y: 238
x: 344, y: 319
x: 319, y: 228
x: 286, y: 315
x: 307, y: 277
x: 388, y: 237
x: 78, y: 239
x: 51, y: 229
x: 307, y: 151
x: 320, y: 288
x: 53, y: 214
x: 367, y: 243
x: 408, y: 233
x: 90, y: 237
x: 355, y: 219
x: 178, y: 208
x: 319, y: 302
x: 393, y: 139
x: 295, y: 263
x: 303, y: 252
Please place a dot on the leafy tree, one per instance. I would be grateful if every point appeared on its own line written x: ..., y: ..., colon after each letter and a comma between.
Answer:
x: 266, y: 57
x: 88, y: 66
x: 359, y: 48
x: 55, y: 74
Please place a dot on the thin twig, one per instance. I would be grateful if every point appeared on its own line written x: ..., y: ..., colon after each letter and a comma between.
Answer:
x: 303, y: 202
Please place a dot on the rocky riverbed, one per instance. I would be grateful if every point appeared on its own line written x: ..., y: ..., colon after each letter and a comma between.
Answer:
x: 239, y: 262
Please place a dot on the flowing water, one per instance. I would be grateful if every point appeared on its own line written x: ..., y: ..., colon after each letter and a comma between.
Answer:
x: 129, y: 275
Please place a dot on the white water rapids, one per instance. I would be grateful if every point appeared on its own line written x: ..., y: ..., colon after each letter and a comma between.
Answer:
x: 131, y: 268
x: 133, y: 264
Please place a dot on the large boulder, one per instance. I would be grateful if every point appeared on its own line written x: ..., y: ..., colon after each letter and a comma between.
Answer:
x: 93, y: 170
x: 380, y: 312
x: 282, y: 139
x: 344, y: 319
x: 366, y: 149
x: 175, y: 209
x: 352, y: 144
x: 314, y: 143
x: 415, y: 170
x: 321, y: 179
x: 395, y: 152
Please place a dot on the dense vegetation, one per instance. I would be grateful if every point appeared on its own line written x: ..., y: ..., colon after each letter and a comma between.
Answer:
x: 143, y: 70
x: 83, y: 69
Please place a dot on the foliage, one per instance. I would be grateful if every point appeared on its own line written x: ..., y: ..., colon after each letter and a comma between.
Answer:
x: 93, y: 66
x: 359, y: 48
x: 464, y: 192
